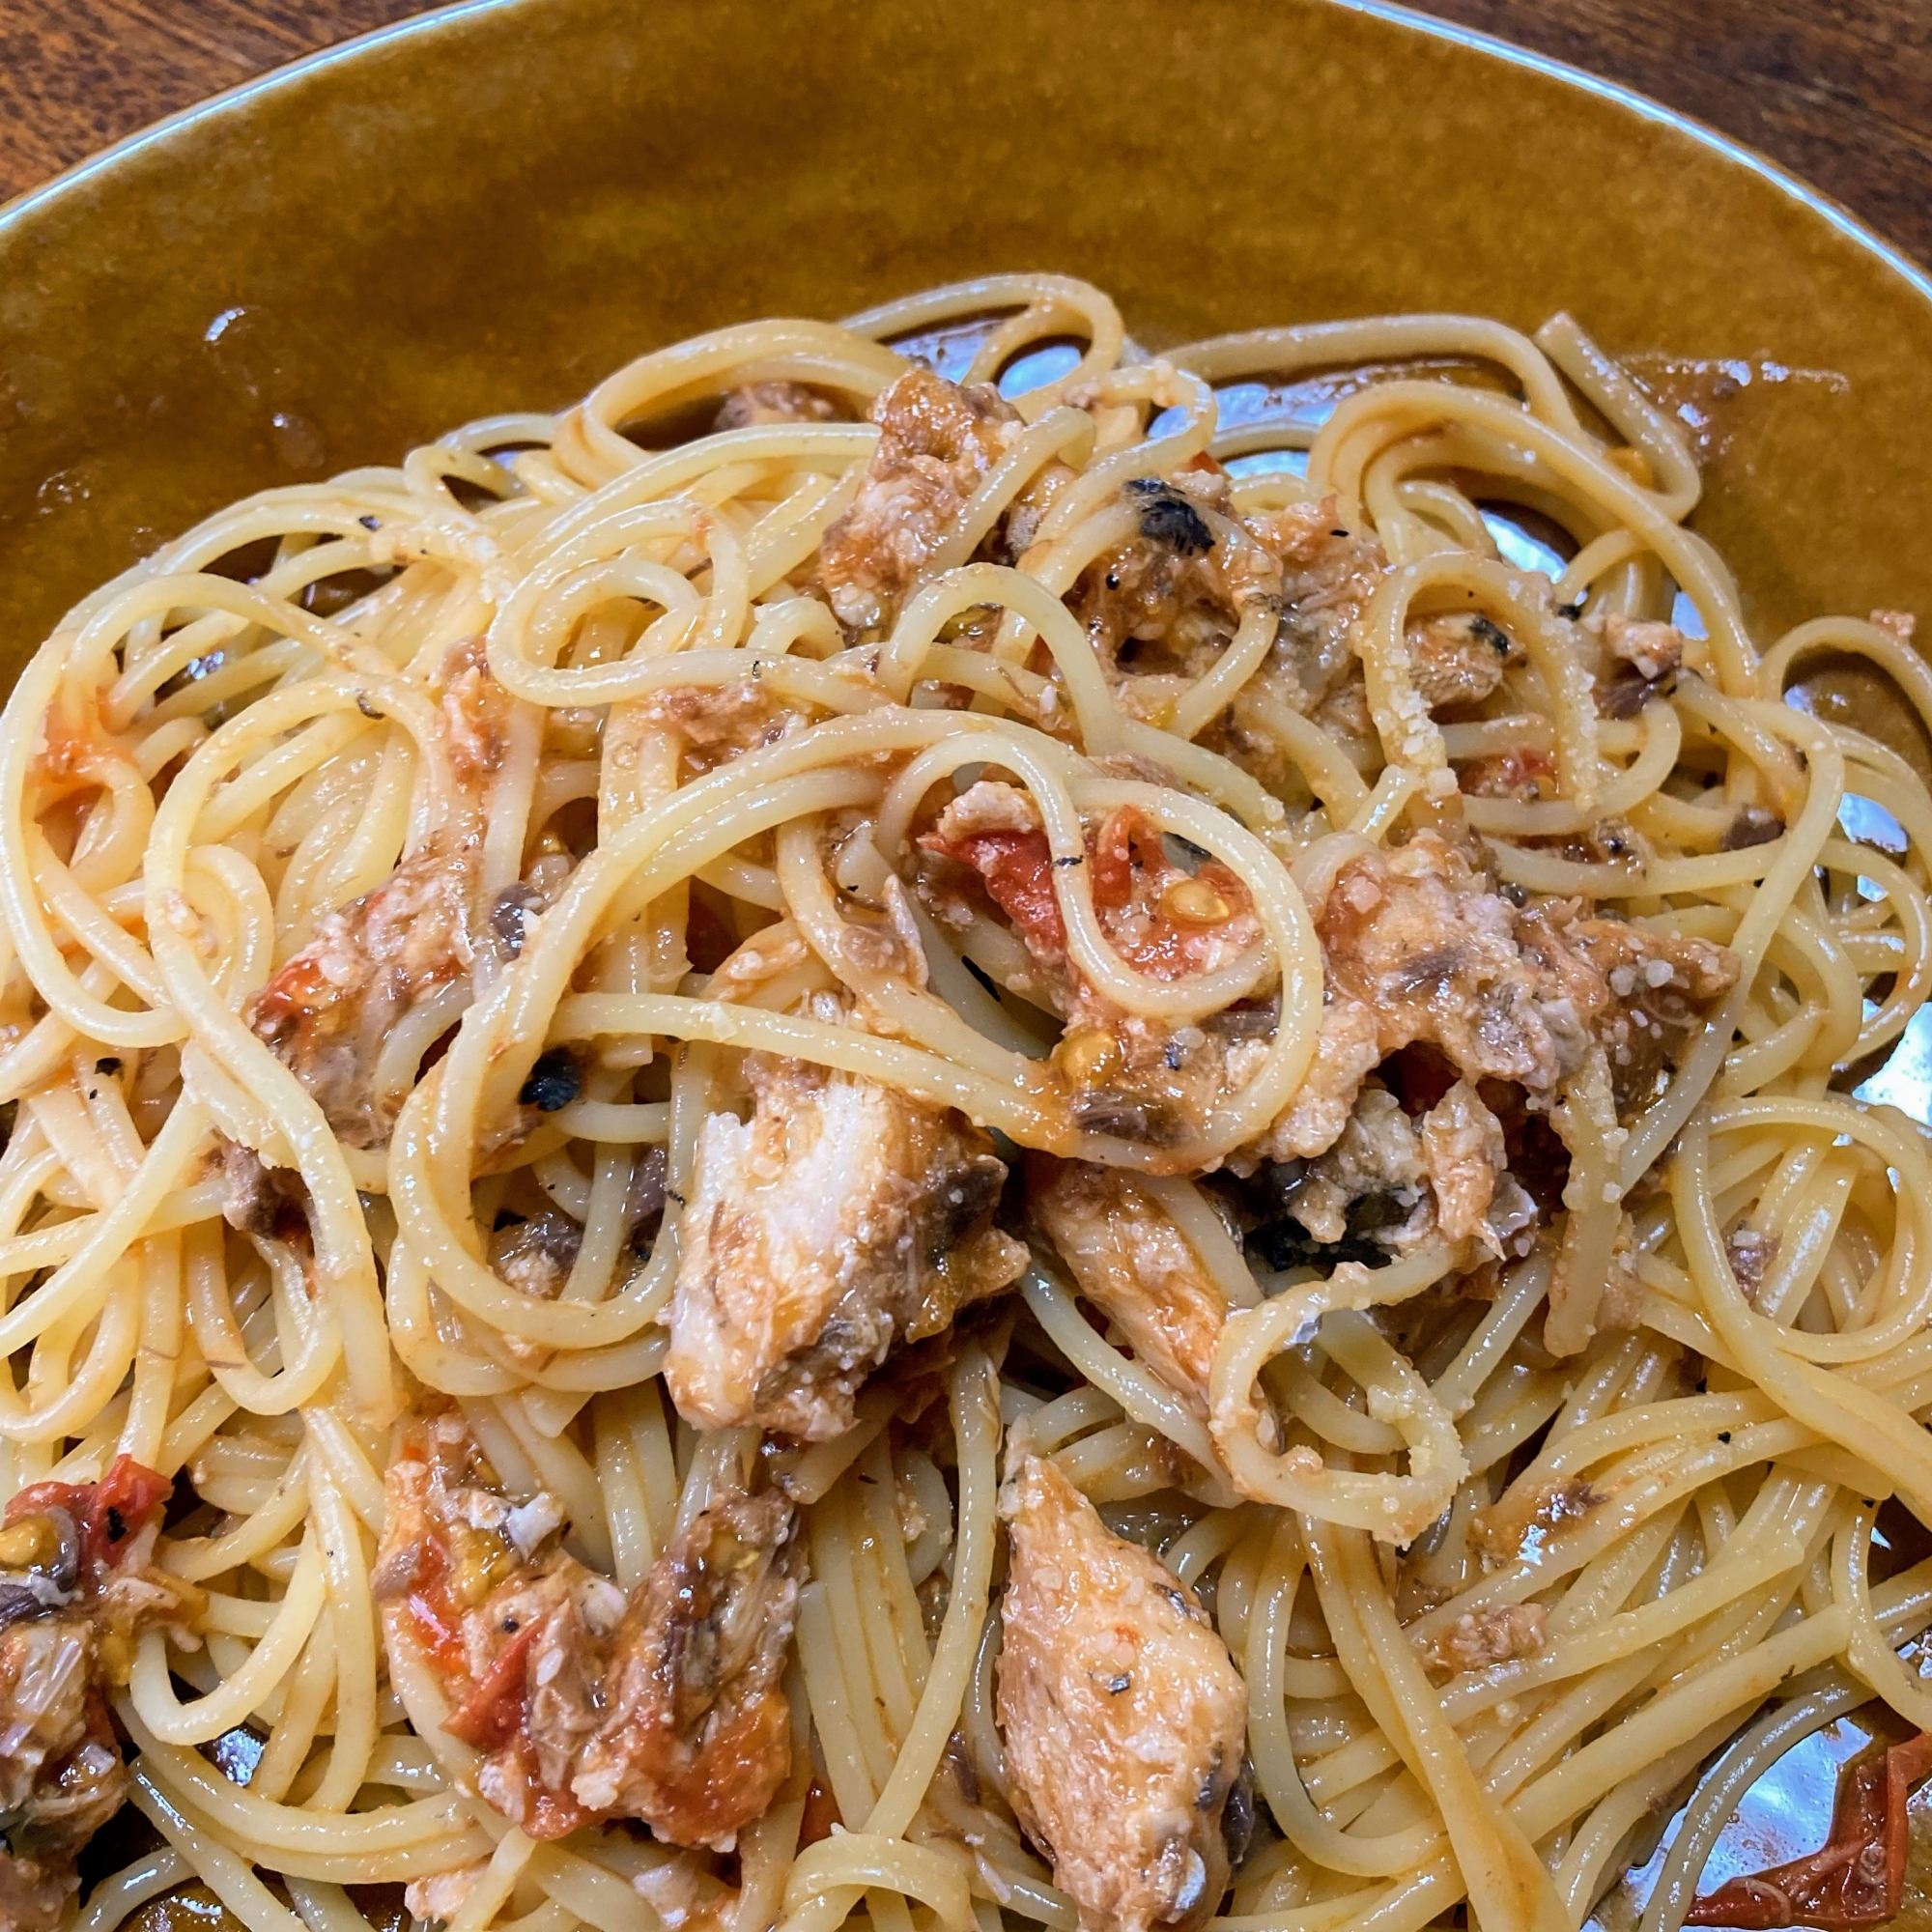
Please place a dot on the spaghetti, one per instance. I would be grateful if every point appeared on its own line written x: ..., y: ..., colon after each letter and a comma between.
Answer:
x: 930, y: 1120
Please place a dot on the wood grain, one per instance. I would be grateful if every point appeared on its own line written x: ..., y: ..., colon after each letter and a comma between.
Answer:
x: 75, y: 74
x: 1838, y: 91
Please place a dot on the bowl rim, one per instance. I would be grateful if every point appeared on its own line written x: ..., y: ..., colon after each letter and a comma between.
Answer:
x: 18, y: 212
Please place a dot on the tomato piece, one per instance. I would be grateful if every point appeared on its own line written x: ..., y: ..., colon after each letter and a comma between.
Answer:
x: 1857, y: 1878
x: 438, y: 1624
x: 1017, y: 867
x: 552, y: 1814
x: 493, y: 1714
x: 1130, y: 868
x: 109, y: 1513
x: 297, y: 992
x: 821, y: 1814
x: 38, y: 1499
x: 124, y: 1499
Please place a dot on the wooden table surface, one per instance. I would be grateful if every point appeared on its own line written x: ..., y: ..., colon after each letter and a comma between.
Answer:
x: 1840, y: 91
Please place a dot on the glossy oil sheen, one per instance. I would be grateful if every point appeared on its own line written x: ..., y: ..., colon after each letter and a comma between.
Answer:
x: 488, y: 208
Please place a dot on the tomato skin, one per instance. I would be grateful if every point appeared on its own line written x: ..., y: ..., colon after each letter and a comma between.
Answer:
x: 493, y: 1718
x: 1018, y: 868
x: 1858, y: 1879
x: 439, y: 1626
x: 109, y: 1513
x: 493, y: 1714
x: 297, y: 991
x: 1113, y: 856
x: 821, y: 1814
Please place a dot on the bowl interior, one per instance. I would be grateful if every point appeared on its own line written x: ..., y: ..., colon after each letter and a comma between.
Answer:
x: 489, y: 207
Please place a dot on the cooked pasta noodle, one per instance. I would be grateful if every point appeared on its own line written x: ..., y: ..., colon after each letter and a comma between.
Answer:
x: 611, y: 1030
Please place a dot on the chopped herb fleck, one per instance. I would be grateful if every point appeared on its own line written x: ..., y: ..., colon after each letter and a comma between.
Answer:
x: 555, y: 1080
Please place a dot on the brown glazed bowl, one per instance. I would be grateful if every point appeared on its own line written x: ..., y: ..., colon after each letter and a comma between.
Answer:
x: 487, y: 208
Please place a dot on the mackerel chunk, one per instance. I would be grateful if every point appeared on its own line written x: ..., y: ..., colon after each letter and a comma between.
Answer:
x: 1125, y: 1716
x: 839, y: 1223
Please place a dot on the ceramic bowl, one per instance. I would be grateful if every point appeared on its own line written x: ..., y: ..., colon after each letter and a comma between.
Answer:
x: 487, y: 208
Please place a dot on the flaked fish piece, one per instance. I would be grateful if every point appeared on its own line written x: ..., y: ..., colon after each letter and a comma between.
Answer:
x: 842, y: 1220
x: 757, y: 404
x: 1418, y: 946
x: 585, y: 1704
x: 937, y: 441
x: 1134, y: 1264
x: 1460, y: 658
x: 1161, y: 608
x: 1125, y: 1716
x: 1466, y: 1158
x: 1495, y: 1634
x: 327, y: 1013
x: 1392, y: 1182
x: 1328, y: 573
x: 697, y: 1739
x: 1642, y: 991
x: 328, y: 1010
